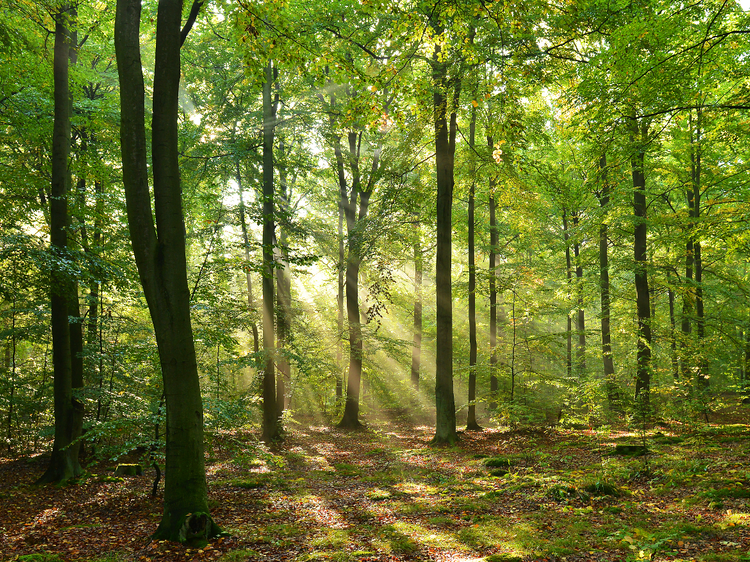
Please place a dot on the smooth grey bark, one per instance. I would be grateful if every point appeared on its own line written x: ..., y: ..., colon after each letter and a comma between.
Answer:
x: 158, y: 241
x: 64, y: 463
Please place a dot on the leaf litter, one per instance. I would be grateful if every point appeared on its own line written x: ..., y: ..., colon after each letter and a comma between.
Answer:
x: 383, y: 494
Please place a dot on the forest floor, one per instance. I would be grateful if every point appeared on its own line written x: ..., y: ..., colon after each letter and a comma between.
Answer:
x: 383, y: 494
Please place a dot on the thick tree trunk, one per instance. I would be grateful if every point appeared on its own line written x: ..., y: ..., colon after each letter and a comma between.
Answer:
x: 271, y: 429
x: 64, y: 463
x: 494, y: 241
x: 445, y: 408
x: 607, y: 359
x: 416, y: 349
x: 161, y: 259
x: 643, y: 306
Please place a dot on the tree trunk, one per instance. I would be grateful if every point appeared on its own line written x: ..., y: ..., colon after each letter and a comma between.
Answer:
x: 416, y: 350
x: 673, y: 332
x: 580, y: 316
x: 283, y: 297
x: 445, y: 409
x: 161, y: 261
x: 643, y: 306
x: 248, y: 276
x: 569, y: 277
x: 340, y: 284
x: 700, y: 321
x: 64, y: 463
x: 354, y: 220
x: 607, y: 359
x: 471, y: 418
x: 271, y: 429
x: 494, y: 241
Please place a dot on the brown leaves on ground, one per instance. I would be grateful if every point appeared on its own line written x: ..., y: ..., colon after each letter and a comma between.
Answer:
x: 383, y: 494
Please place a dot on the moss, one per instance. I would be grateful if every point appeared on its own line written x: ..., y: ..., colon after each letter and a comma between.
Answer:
x: 129, y: 470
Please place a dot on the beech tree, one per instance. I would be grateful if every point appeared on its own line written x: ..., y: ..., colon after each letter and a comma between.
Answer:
x: 66, y: 338
x: 158, y: 239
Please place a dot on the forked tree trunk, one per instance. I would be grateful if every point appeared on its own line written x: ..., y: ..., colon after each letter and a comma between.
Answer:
x: 159, y: 250
x: 354, y: 223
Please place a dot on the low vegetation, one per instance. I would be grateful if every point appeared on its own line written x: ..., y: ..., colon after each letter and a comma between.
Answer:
x: 383, y: 494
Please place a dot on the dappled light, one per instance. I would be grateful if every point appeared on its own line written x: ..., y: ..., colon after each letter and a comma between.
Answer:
x: 382, y: 494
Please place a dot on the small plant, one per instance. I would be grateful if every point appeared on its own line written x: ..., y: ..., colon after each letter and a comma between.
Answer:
x: 498, y: 462
x: 601, y: 488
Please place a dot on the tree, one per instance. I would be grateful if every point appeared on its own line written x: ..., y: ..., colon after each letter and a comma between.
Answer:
x: 159, y: 249
x: 68, y: 373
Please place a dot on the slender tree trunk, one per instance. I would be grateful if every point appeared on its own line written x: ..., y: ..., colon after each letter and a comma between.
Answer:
x: 283, y: 297
x: 700, y: 321
x: 354, y: 222
x: 674, y: 357
x: 569, y: 277
x: 248, y: 276
x: 271, y: 429
x: 445, y: 409
x: 643, y: 306
x: 340, y: 305
x: 416, y: 349
x: 607, y: 359
x: 161, y: 259
x: 580, y: 316
x: 64, y: 463
x: 688, y: 301
x: 494, y: 241
x: 471, y: 419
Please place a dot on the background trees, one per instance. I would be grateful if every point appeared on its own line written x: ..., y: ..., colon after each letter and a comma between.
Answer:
x: 593, y: 158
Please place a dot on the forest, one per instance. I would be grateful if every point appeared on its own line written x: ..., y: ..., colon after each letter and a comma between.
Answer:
x: 374, y: 280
